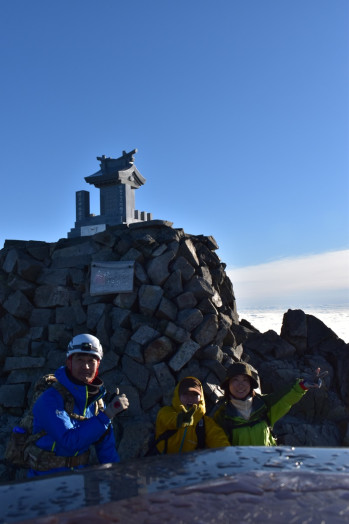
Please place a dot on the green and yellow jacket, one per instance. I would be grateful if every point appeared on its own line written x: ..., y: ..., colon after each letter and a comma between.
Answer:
x: 185, y: 439
x: 266, y: 410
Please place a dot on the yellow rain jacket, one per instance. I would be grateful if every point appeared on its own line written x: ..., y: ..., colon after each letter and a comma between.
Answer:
x: 185, y: 438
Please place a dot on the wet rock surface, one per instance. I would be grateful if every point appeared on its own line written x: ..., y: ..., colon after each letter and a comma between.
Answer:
x: 251, y: 484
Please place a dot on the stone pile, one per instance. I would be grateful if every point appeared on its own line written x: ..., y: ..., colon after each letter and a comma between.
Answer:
x: 179, y: 319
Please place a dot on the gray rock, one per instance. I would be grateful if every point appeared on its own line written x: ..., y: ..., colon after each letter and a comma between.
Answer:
x: 134, y: 350
x: 158, y: 268
x: 10, y: 261
x: 186, y: 300
x: 79, y: 312
x: 218, y: 369
x: 133, y: 254
x: 205, y: 273
x: 21, y: 347
x: 206, y: 256
x: 141, y: 274
x: 144, y: 335
x: 51, y: 296
x: 158, y: 350
x: 294, y: 329
x: 54, y: 277
x: 186, y: 269
x: 135, y: 435
x: 153, y: 394
x: 83, y: 249
x: 119, y: 339
x: 159, y: 250
x: 189, y: 319
x: 66, y: 315
x: 41, y: 317
x: 120, y: 317
x: 176, y: 333
x: 12, y: 363
x: 187, y: 250
x: 17, y: 283
x: 109, y: 362
x: 18, y: 305
x: 11, y: 328
x: 59, y: 333
x: 94, y: 314
x: 38, y: 333
x: 28, y: 268
x: 137, y: 374
x: 206, y: 306
x: 173, y: 285
x: 211, y: 352
x: 184, y: 353
x: 165, y: 380
x: 166, y: 310
x: 12, y: 395
x: 199, y: 287
x: 125, y: 300
x: 206, y: 331
x: 149, y: 298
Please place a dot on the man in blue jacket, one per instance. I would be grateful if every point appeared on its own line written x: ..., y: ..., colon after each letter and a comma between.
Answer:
x: 68, y: 433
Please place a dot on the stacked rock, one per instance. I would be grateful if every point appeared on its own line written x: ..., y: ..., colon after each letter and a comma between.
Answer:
x: 179, y: 318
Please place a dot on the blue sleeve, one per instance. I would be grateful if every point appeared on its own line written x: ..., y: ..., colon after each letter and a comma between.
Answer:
x: 106, y: 448
x: 70, y: 435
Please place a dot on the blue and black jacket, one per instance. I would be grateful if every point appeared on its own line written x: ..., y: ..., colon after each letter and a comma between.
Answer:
x: 66, y: 436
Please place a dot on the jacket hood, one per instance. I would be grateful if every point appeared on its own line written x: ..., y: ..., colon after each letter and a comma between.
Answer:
x: 176, y: 403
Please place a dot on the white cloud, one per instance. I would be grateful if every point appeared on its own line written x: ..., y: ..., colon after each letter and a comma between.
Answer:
x: 318, y: 279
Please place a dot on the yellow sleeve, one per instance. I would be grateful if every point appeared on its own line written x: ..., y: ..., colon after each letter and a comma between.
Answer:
x: 166, y: 419
x: 215, y: 435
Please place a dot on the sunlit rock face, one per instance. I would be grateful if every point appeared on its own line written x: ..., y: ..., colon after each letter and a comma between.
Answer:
x: 179, y: 318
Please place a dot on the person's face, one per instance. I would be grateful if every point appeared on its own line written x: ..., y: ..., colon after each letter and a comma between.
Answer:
x: 84, y: 367
x: 188, y: 398
x: 240, y: 386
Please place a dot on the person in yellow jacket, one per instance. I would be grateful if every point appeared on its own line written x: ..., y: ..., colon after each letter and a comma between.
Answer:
x: 183, y: 426
x: 246, y: 416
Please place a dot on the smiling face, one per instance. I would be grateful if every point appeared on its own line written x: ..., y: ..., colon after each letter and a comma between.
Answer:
x: 84, y: 367
x: 188, y: 398
x: 240, y: 386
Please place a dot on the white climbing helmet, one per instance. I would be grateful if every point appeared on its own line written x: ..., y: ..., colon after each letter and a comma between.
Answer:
x: 85, y: 344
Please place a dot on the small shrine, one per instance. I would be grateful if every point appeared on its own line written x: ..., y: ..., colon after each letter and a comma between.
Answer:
x: 117, y: 180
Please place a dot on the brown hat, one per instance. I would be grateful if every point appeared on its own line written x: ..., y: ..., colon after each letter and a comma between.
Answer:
x: 241, y: 368
x: 190, y: 384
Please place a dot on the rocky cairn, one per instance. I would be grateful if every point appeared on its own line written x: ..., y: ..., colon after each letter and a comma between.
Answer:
x: 179, y: 319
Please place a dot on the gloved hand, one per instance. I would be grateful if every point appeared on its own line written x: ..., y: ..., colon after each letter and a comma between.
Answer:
x: 186, y: 418
x: 117, y: 404
x: 315, y: 381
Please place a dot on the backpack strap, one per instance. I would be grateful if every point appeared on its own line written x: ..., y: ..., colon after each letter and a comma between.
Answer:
x: 165, y: 436
x: 201, y: 433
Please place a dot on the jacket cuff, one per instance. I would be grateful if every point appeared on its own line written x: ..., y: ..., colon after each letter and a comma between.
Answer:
x: 104, y: 419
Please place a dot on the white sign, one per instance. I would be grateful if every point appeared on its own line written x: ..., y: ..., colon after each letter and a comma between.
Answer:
x: 111, y: 277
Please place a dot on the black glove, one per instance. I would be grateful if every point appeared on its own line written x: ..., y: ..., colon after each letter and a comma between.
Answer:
x: 186, y: 418
x: 314, y: 381
x: 117, y: 404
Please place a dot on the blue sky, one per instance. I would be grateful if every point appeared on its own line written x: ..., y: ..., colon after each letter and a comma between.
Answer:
x: 239, y: 111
